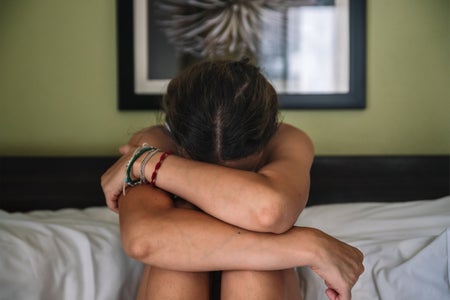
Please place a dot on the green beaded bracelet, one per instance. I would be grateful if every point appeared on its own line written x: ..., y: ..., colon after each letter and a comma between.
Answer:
x: 139, y: 151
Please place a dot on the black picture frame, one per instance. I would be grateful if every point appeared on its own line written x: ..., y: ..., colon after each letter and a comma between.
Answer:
x: 355, y: 98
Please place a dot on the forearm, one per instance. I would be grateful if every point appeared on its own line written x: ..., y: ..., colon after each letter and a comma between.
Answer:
x: 267, y: 200
x: 215, y: 189
x: 156, y: 233
x: 180, y: 239
x: 234, y: 196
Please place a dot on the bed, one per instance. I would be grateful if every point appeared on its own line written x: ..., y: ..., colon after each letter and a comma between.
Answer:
x: 58, y: 241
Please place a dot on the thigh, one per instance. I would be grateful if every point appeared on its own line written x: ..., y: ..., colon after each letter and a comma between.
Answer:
x: 159, y: 283
x: 281, y: 284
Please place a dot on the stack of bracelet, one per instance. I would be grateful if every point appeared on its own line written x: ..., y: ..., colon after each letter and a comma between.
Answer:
x: 151, y: 151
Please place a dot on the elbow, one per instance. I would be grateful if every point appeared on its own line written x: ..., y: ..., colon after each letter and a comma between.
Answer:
x: 277, y: 214
x: 137, y: 248
x: 270, y: 221
x: 274, y: 217
x: 274, y: 225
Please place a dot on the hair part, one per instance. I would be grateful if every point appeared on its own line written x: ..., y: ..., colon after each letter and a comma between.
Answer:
x: 221, y: 110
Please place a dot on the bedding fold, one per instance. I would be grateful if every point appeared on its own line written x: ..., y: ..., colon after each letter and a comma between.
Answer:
x: 77, y: 254
x: 66, y: 254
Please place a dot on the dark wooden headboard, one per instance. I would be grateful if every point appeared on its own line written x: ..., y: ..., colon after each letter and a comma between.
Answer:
x: 30, y: 183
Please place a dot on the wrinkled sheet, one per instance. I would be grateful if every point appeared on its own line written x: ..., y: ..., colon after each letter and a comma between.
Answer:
x: 406, y: 247
x: 64, y: 255
x: 76, y: 254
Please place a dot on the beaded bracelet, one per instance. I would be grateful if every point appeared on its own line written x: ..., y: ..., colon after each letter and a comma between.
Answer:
x: 157, y: 166
x: 147, y: 157
x: 137, y: 153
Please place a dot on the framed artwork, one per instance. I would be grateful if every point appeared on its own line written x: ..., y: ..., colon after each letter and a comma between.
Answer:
x: 312, y: 51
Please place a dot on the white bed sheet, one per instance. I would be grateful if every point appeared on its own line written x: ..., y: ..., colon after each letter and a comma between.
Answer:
x: 76, y: 254
x: 63, y: 255
x: 406, y: 247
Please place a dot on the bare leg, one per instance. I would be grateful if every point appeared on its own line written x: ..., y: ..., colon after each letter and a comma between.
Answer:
x: 157, y: 283
x: 261, y: 285
x: 173, y: 285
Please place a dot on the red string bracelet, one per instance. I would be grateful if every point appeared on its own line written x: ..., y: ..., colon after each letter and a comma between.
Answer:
x: 158, y: 165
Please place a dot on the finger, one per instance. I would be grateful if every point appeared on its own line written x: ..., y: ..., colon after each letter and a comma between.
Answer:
x: 124, y: 149
x: 331, y: 294
x: 346, y: 295
x: 114, y: 206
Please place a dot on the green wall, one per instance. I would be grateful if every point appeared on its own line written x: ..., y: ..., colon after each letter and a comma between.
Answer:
x: 58, y: 83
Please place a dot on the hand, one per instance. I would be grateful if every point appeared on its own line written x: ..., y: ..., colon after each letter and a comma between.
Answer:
x: 338, y: 264
x: 112, y: 180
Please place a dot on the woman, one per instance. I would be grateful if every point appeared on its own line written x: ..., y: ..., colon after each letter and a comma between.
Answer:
x: 241, y: 179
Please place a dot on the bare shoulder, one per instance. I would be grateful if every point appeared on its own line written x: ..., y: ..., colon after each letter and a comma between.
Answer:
x: 290, y: 143
x: 156, y: 130
x: 156, y: 136
x: 289, y: 135
x: 285, y: 128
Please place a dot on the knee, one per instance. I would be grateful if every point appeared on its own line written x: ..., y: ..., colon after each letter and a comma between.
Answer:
x: 248, y: 276
x: 280, y: 284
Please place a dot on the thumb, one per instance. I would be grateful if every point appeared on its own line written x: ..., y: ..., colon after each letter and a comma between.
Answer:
x: 124, y: 149
x: 331, y: 294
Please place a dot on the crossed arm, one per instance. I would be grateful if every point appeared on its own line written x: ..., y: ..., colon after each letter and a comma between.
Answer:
x: 158, y: 234
x: 242, y: 212
x: 269, y: 199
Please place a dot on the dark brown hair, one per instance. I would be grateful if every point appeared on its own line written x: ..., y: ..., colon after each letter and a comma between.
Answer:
x: 221, y: 110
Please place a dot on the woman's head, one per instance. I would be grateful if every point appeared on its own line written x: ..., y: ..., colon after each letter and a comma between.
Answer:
x: 220, y: 111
